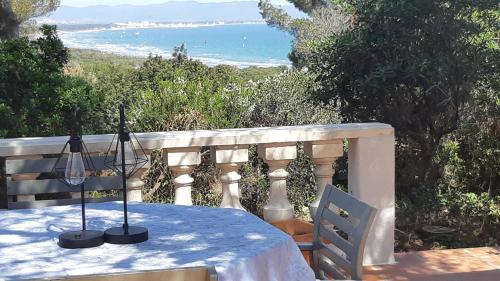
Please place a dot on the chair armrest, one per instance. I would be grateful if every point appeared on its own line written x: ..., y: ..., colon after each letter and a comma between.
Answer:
x: 305, y: 246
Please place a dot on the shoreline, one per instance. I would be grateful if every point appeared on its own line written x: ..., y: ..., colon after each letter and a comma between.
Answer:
x: 132, y: 59
x: 91, y: 27
x: 207, y: 61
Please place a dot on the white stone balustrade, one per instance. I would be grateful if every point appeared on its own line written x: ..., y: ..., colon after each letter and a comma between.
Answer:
x: 323, y: 154
x: 229, y: 160
x: 370, y: 165
x: 278, y: 156
x: 182, y: 161
x: 135, y: 185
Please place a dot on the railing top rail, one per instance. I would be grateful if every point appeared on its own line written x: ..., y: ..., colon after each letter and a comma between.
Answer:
x: 197, y: 138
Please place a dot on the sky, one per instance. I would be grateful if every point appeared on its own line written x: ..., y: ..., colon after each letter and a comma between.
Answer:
x: 80, y: 3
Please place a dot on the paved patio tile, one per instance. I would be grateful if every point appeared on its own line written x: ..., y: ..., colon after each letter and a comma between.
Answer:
x: 441, y: 265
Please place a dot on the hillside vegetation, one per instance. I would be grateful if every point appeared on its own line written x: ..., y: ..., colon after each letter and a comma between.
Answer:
x: 429, y: 68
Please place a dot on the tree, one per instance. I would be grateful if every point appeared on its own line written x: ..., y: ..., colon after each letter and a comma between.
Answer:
x: 15, y: 12
x: 324, y: 19
x: 35, y: 96
x: 9, y: 26
x: 180, y: 53
x: 412, y: 64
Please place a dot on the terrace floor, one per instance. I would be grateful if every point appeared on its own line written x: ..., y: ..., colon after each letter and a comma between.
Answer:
x: 440, y: 265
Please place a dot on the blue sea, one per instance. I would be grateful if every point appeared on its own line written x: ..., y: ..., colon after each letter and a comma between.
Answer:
x: 242, y: 45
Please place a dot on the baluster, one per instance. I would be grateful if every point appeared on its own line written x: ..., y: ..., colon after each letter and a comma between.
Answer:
x: 135, y: 184
x: 323, y: 154
x: 182, y: 161
x: 229, y: 159
x: 278, y: 156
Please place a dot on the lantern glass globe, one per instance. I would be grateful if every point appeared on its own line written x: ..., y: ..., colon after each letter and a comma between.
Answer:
x: 75, y: 169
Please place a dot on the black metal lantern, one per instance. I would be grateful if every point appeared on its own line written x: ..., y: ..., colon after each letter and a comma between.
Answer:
x: 72, y: 171
x: 125, y: 156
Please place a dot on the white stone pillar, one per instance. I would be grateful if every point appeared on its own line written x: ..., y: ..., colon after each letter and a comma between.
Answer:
x: 229, y: 159
x: 135, y: 185
x: 182, y: 161
x: 278, y: 156
x: 371, y: 179
x: 323, y: 154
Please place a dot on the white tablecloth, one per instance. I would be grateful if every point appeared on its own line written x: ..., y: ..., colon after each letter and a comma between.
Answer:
x: 240, y: 245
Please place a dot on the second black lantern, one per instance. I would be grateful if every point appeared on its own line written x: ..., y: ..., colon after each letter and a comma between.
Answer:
x: 125, y: 156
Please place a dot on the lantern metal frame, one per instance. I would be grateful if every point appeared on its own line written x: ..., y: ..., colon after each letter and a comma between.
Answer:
x: 126, y: 234
x: 140, y: 159
x: 83, y: 238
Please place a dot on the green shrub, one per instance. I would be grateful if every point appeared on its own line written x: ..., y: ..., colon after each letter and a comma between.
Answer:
x: 183, y: 95
x: 478, y: 146
x: 286, y: 100
x: 30, y: 75
x: 36, y: 97
x: 469, y: 190
x: 183, y: 103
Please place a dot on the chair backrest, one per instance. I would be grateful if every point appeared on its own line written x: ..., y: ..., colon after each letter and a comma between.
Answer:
x: 29, y: 183
x: 177, y: 274
x: 341, y: 226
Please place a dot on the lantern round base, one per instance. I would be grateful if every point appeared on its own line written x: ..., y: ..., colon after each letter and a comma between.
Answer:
x: 81, y: 239
x: 117, y: 235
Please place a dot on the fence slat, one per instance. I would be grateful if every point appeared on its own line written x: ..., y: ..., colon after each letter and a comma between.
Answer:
x: 57, y: 202
x: 45, y: 165
x: 28, y: 187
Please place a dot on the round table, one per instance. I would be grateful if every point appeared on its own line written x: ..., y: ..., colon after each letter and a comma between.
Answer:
x: 240, y: 245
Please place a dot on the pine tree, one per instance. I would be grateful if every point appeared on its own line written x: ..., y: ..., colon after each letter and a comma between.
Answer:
x: 13, y: 13
x: 325, y: 18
